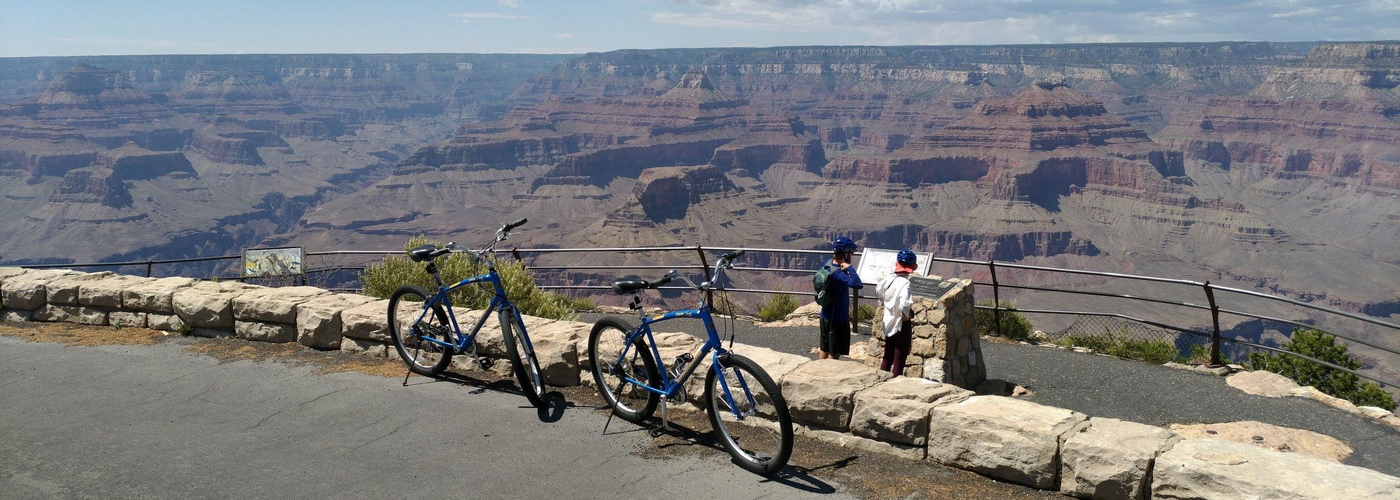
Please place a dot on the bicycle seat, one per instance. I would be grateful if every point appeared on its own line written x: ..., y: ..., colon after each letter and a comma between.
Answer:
x: 423, y: 253
x: 629, y: 284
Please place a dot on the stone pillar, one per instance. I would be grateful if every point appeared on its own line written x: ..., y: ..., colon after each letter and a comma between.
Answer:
x: 945, y: 347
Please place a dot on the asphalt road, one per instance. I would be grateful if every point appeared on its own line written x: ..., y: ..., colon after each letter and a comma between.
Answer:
x: 1102, y: 386
x: 157, y: 421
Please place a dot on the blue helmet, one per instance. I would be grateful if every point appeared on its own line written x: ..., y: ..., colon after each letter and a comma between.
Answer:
x: 906, y: 256
x: 843, y: 244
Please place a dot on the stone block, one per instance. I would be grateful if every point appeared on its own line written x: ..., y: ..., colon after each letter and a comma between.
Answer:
x: 63, y: 290
x: 165, y: 322
x: 561, y: 331
x: 1005, y: 438
x: 318, y: 320
x: 368, y: 321
x: 364, y: 347
x: 822, y: 393
x: 71, y: 314
x: 776, y: 364
x: 127, y: 319
x: 897, y: 409
x: 1263, y: 383
x: 10, y: 272
x: 154, y: 295
x: 265, y: 332
x: 848, y: 441
x: 274, y: 305
x: 1211, y: 468
x: 1107, y: 458
x: 558, y: 361
x: 15, y: 315
x: 107, y: 292
x: 28, y: 291
x: 208, y: 304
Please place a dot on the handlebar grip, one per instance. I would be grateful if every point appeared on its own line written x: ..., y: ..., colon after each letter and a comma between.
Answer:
x: 514, y: 225
x: 732, y: 255
x: 661, y: 282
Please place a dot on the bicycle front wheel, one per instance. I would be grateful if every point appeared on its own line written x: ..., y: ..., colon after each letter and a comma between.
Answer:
x: 605, y: 347
x: 749, y: 414
x: 413, y: 321
x: 522, y: 358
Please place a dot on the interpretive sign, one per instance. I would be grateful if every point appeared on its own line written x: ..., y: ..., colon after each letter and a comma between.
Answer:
x: 876, y: 263
x: 920, y: 286
x: 285, y: 261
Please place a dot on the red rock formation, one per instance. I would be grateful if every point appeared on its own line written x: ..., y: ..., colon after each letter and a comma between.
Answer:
x: 92, y: 185
x: 131, y: 162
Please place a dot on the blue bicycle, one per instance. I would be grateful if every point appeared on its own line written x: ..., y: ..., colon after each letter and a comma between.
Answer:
x: 746, y: 408
x: 425, y: 329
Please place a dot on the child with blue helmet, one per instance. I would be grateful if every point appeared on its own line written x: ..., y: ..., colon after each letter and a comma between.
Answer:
x: 835, y: 322
x: 898, y: 318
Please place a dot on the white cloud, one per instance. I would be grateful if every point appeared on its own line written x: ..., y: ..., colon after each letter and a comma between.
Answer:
x: 467, y: 17
x: 564, y: 35
x: 514, y: 4
x: 1045, y: 21
x: 1300, y: 12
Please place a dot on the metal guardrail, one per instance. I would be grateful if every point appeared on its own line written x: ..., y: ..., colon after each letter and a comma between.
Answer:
x: 995, y: 270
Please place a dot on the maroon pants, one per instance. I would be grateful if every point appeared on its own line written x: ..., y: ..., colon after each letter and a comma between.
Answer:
x: 897, y: 349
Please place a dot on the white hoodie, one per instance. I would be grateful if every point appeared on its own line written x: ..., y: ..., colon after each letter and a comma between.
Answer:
x: 894, y: 296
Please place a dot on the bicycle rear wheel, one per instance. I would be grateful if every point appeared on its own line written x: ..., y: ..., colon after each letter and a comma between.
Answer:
x: 749, y: 415
x: 522, y: 358
x: 410, y: 324
x: 605, y: 345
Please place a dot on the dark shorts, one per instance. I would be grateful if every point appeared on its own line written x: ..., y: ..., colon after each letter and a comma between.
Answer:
x: 836, y: 337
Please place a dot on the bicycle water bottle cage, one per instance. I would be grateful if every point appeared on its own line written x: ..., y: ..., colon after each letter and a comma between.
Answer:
x: 629, y: 284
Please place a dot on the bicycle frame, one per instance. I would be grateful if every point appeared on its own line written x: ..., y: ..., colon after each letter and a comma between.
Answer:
x: 712, y: 347
x: 499, y: 303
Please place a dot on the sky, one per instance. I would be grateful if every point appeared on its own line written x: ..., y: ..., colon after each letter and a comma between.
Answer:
x: 107, y: 27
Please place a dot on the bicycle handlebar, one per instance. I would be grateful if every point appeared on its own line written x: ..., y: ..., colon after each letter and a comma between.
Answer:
x: 506, y: 228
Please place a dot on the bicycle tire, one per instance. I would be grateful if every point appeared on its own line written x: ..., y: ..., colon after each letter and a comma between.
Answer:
x: 605, y: 343
x: 766, y: 445
x: 408, y: 326
x: 523, y: 361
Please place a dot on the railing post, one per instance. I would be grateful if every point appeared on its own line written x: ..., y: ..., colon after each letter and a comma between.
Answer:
x: 1215, y: 323
x: 709, y: 294
x: 148, y: 268
x: 996, y: 297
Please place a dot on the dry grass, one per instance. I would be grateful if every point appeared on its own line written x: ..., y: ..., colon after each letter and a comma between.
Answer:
x: 81, y: 335
x: 222, y: 349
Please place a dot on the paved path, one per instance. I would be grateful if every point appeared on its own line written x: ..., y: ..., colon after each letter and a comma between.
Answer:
x: 1102, y: 386
x: 155, y: 421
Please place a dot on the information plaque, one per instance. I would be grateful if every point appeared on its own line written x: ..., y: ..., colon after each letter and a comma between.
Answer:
x: 264, y: 262
x: 876, y: 263
x: 920, y: 286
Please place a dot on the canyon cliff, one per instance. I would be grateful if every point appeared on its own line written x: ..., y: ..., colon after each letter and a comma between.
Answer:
x: 1266, y: 166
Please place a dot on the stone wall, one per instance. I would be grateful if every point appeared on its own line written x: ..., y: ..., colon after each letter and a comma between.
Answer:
x: 946, y: 347
x: 845, y: 401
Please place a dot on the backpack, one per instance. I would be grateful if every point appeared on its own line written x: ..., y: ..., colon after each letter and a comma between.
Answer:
x: 819, y: 285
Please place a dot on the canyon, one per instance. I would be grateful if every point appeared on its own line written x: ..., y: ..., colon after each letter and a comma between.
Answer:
x: 1267, y: 166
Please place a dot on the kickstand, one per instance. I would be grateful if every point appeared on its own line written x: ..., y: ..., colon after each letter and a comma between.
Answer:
x: 660, y: 429
x: 617, y: 396
x: 405, y: 377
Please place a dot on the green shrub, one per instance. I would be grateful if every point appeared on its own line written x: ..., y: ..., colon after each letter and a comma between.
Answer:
x: 381, y: 279
x: 1315, y: 344
x: 1123, y: 346
x: 778, y: 307
x: 1013, y: 324
x: 865, y: 313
